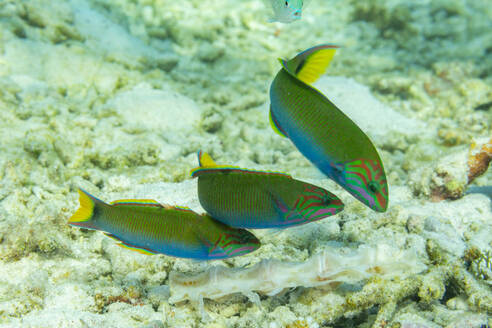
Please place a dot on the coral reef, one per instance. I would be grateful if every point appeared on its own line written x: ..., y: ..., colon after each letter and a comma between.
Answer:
x: 481, y: 264
x: 449, y: 177
x: 116, y: 96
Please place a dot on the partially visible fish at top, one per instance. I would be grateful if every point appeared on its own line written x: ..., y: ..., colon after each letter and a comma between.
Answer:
x: 286, y: 11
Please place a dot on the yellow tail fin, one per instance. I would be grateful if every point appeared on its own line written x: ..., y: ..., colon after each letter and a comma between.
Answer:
x: 315, y: 65
x: 310, y: 64
x: 86, y: 209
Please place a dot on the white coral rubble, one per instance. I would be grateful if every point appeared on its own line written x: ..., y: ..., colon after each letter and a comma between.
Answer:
x: 270, y: 277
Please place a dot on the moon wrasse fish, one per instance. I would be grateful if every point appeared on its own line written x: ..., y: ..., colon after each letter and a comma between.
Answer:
x: 145, y: 226
x: 256, y: 199
x: 322, y: 132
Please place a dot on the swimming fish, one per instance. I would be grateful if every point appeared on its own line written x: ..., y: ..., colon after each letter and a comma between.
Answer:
x: 145, y: 226
x: 286, y: 11
x: 257, y: 199
x: 322, y: 132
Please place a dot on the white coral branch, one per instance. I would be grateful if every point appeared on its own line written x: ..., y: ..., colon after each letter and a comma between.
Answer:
x: 271, y: 276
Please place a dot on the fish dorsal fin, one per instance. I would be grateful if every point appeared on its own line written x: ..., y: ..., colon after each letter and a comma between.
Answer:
x: 136, y: 202
x: 275, y: 126
x: 149, y: 203
x: 179, y: 208
x: 206, y: 163
x: 145, y: 205
x: 205, y: 160
x: 234, y: 169
x: 310, y: 64
x: 200, y: 170
x: 176, y: 208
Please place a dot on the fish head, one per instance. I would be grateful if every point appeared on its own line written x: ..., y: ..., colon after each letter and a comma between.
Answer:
x: 315, y: 203
x: 287, y: 11
x: 223, y: 241
x: 237, y: 242
x: 365, y: 180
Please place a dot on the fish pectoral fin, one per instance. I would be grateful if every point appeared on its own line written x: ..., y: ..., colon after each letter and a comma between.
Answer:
x: 129, y: 246
x: 280, y: 207
x: 275, y: 126
x: 283, y: 209
x: 213, y: 249
x: 217, y: 251
x: 337, y: 172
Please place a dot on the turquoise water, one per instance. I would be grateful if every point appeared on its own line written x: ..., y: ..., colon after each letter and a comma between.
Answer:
x: 117, y: 96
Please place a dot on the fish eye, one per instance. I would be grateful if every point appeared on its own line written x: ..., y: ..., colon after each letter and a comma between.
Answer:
x: 373, y: 186
x: 286, y: 3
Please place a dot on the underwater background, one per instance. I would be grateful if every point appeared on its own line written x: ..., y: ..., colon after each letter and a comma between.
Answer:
x: 117, y: 96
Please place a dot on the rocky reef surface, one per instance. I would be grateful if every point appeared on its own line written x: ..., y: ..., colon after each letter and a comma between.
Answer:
x: 116, y: 96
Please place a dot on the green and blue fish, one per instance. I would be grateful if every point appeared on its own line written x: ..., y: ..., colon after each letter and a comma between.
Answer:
x: 145, y: 226
x: 256, y: 199
x: 322, y: 132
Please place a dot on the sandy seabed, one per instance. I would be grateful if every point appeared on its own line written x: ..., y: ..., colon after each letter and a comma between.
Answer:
x: 116, y: 97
